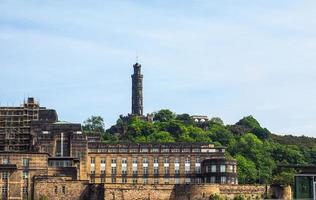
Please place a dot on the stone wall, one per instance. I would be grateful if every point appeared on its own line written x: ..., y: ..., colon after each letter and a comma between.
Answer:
x: 180, y: 192
x: 52, y: 188
x: 59, y: 188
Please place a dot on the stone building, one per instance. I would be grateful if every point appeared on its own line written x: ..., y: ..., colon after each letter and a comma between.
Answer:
x: 170, y: 163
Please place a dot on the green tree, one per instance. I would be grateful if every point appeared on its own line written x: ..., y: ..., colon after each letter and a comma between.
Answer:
x: 94, y: 125
x: 217, y: 120
x: 247, y: 172
x: 284, y: 178
x: 185, y: 119
x: 164, y: 115
x: 249, y: 122
x: 220, y: 134
x: 161, y: 136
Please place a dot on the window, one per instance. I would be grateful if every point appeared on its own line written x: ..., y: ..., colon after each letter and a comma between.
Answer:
x: 124, y: 180
x: 103, y: 171
x: 25, y: 190
x: 113, y: 161
x: 166, y: 160
x: 113, y: 180
x: 166, y: 180
x: 145, y: 166
x: 4, y: 190
x: 156, y: 160
x: 223, y: 168
x: 197, y: 165
x: 124, y: 166
x: 56, y: 190
x: 25, y: 174
x: 102, y: 180
x: 156, y: 171
x: 177, y: 180
x: 145, y: 170
x: 5, y: 175
x: 165, y: 150
x: 176, y: 166
x: 175, y: 150
x: 63, y: 189
x: 223, y: 179
x: 229, y: 168
x: 156, y: 180
x: 207, y: 169
x: 187, y: 180
x: 123, y: 150
x: 92, y: 161
x: 155, y: 150
x: 186, y: 150
x: 135, y: 166
x: 25, y: 162
x: 92, y: 179
x: 113, y: 170
x: 213, y: 168
x: 145, y: 180
x: 133, y: 150
x: 166, y: 171
x: 213, y: 179
x: 187, y: 165
x: 197, y: 169
x: 5, y: 161
x: 102, y: 160
x: 134, y: 180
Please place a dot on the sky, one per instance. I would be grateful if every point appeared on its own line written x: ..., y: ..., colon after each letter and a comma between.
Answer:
x: 223, y: 58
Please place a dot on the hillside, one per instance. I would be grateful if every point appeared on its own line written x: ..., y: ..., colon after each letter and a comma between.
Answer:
x: 257, y: 151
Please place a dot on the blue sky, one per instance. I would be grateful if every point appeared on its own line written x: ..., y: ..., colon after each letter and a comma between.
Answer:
x: 227, y: 58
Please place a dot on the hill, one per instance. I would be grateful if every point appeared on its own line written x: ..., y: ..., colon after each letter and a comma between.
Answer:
x: 257, y: 151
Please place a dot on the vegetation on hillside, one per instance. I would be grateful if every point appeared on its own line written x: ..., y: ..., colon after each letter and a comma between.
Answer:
x: 257, y: 151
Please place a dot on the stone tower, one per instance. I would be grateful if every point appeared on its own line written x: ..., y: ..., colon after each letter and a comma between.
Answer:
x: 137, y: 91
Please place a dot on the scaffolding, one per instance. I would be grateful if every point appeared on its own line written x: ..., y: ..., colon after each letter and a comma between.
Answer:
x: 15, y: 126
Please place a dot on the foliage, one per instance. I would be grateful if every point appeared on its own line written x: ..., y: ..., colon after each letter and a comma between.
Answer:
x: 247, y: 172
x: 161, y: 136
x: 94, y: 125
x: 284, y: 178
x: 43, y: 197
x: 257, y: 151
x: 239, y: 197
x: 217, y: 120
x: 164, y: 115
x: 215, y: 197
